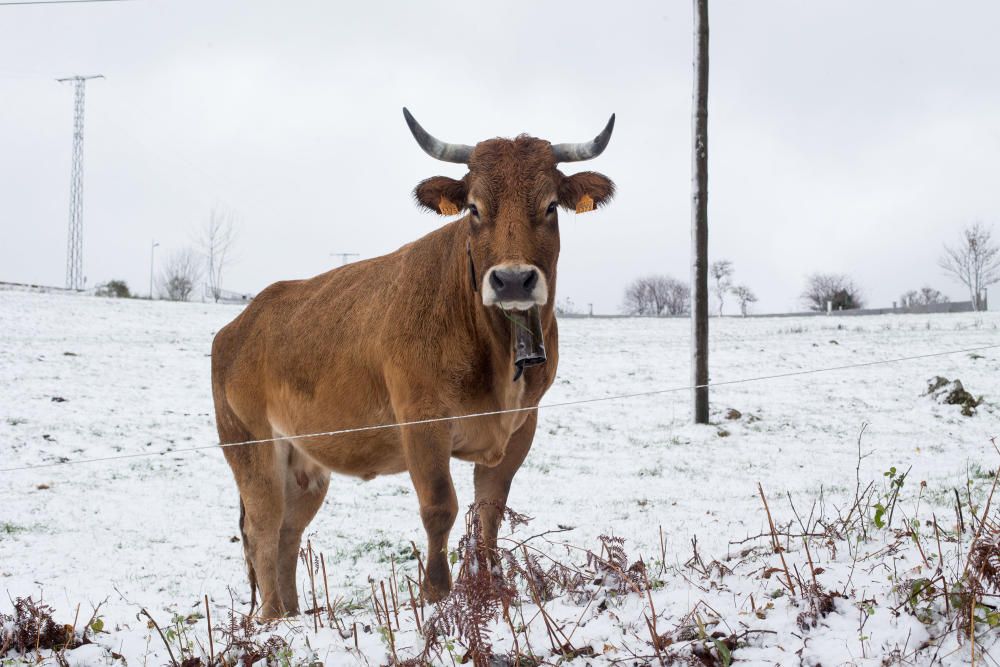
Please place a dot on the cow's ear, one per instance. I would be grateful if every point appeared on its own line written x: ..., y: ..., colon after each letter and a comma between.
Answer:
x: 585, y: 191
x: 441, y: 194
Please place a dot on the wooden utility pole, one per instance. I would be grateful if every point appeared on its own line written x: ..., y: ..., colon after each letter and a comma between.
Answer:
x: 699, y: 215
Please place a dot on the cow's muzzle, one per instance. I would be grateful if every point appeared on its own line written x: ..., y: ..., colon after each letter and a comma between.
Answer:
x: 515, y: 287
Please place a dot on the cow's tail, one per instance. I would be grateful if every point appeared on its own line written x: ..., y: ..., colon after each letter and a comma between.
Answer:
x: 251, y: 574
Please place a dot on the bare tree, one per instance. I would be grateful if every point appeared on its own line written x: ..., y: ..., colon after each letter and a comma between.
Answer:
x: 745, y: 296
x: 657, y: 295
x: 567, y: 307
x: 929, y: 295
x: 179, y: 275
x: 641, y: 297
x: 675, y: 296
x: 722, y: 272
x: 638, y: 299
x: 925, y: 296
x: 216, y: 243
x: 837, y: 289
x: 975, y: 262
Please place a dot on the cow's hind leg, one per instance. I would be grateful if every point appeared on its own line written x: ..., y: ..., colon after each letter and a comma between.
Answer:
x: 305, y: 488
x: 493, y: 483
x: 262, y: 499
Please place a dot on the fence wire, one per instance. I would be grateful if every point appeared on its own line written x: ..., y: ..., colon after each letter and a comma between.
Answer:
x: 493, y: 413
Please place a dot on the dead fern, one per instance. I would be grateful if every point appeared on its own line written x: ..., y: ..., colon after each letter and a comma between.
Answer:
x: 984, y: 558
x: 491, y: 580
x: 244, y: 644
x: 529, y: 569
x: 612, y: 569
x: 31, y: 627
x: 480, y: 593
x: 821, y: 603
x: 981, y: 577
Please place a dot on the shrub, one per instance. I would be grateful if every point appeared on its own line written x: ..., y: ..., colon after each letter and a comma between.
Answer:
x: 114, y: 288
x: 836, y: 289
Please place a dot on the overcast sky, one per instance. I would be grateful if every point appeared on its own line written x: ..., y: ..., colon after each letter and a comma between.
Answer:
x: 845, y: 136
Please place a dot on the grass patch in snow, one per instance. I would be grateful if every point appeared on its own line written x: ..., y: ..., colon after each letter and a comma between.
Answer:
x: 8, y: 528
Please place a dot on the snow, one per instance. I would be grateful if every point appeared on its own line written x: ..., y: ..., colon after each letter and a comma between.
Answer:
x: 87, y: 377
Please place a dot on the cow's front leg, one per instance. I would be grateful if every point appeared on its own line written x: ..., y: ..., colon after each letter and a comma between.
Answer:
x: 427, y: 449
x: 493, y: 483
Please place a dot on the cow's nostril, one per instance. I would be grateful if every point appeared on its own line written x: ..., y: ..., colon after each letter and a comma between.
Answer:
x: 495, y: 280
x: 531, y: 280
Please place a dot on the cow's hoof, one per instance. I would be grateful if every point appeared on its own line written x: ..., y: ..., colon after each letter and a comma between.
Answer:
x: 437, y: 583
x: 435, y: 594
x: 271, y: 612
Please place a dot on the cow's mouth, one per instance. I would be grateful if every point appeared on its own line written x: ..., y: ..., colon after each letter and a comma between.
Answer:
x: 528, y: 341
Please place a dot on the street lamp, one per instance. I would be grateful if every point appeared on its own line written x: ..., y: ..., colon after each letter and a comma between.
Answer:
x: 152, y: 251
x: 344, y: 256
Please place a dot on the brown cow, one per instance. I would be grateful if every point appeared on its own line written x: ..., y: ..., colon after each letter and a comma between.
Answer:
x: 420, y: 333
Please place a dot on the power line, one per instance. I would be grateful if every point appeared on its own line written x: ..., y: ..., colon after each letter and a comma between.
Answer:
x: 492, y: 413
x: 54, y: 2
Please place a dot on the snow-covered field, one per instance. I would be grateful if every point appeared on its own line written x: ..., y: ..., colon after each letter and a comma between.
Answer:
x: 84, y: 377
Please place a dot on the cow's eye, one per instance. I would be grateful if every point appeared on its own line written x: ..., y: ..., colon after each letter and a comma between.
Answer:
x: 552, y: 208
x: 473, y: 210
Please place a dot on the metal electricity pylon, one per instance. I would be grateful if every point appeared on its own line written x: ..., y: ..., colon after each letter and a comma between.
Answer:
x: 74, y: 243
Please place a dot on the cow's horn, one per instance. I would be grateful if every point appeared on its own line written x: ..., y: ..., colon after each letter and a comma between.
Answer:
x: 586, y: 150
x: 434, y: 147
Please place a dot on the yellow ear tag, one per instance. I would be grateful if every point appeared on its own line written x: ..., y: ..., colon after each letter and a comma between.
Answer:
x: 585, y: 204
x: 446, y: 207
